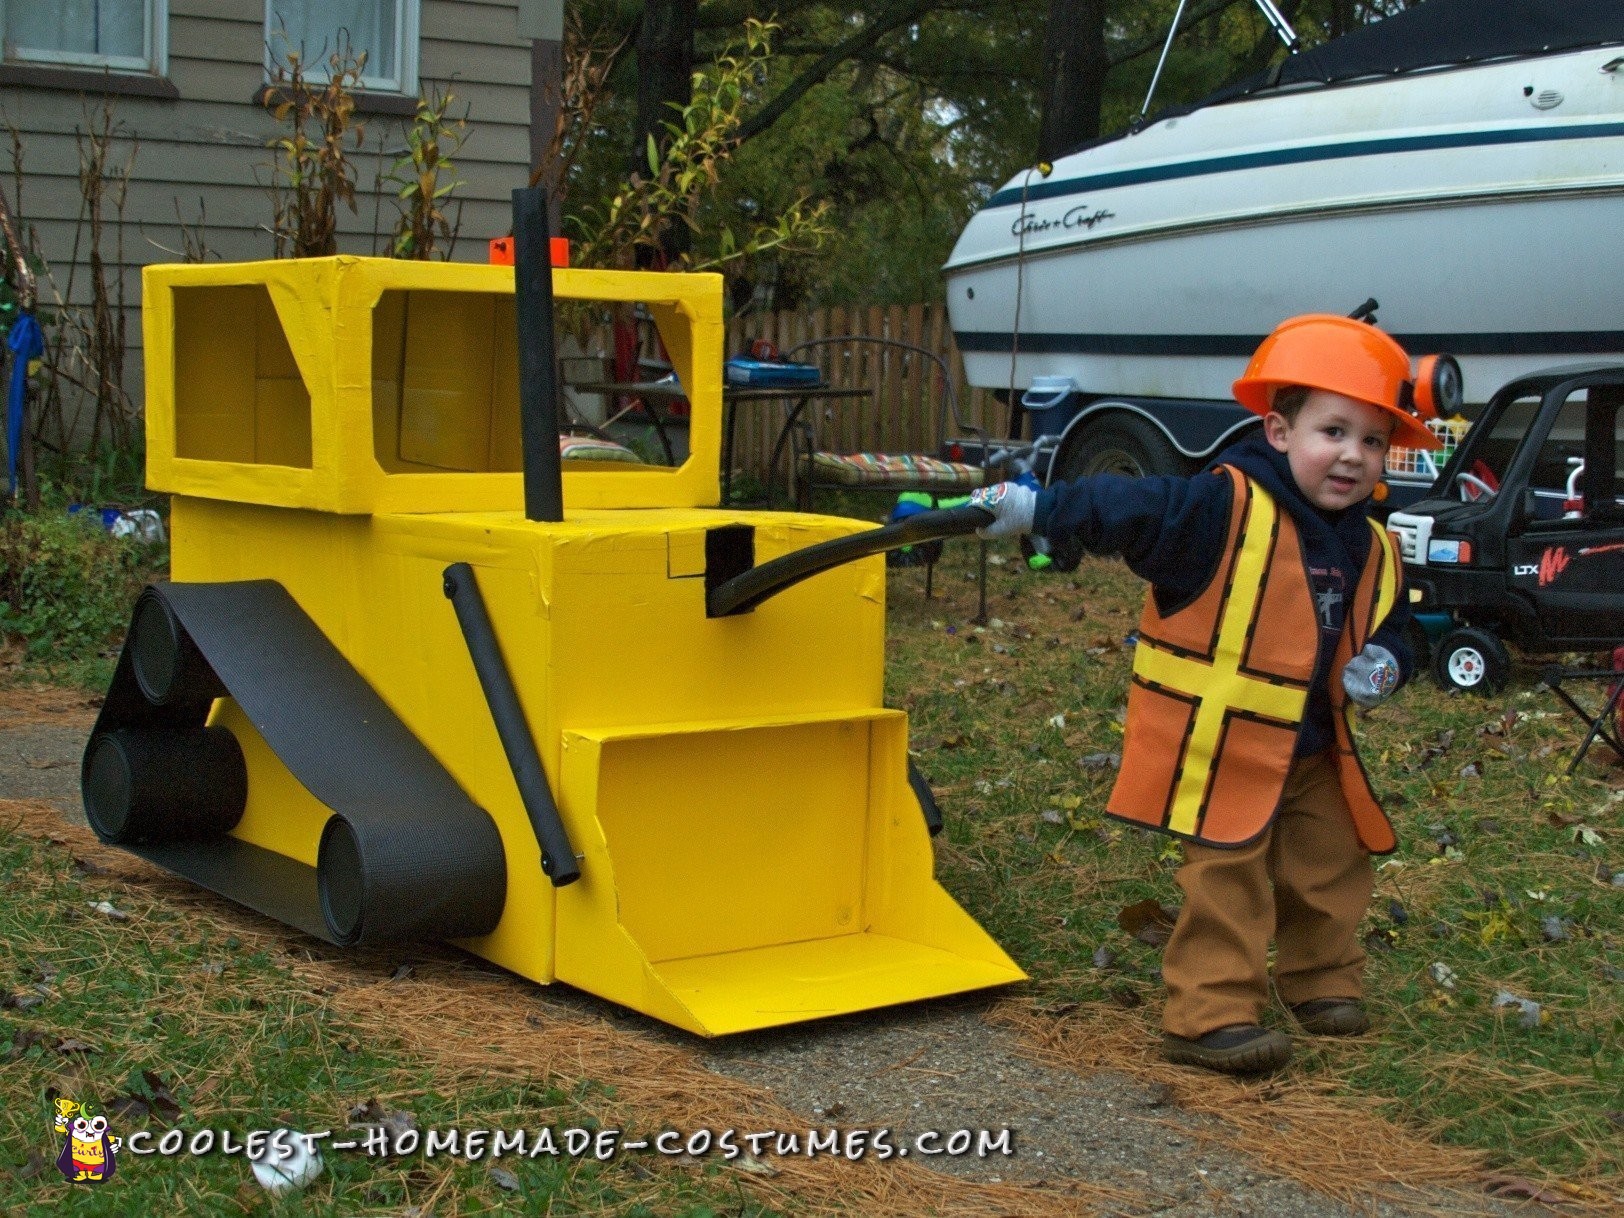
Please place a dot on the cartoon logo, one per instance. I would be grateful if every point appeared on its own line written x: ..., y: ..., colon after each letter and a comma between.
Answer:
x: 87, y: 1152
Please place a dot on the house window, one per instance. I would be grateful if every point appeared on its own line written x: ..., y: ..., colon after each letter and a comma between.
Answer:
x: 385, y: 29
x: 121, y: 35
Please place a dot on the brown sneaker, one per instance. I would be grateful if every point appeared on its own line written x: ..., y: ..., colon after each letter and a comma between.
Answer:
x: 1332, y: 1016
x: 1242, y: 1048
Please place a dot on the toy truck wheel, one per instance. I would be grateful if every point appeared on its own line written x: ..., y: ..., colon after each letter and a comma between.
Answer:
x: 1473, y: 660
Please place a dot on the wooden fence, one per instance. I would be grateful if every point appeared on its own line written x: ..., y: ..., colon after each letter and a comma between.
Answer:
x: 907, y: 409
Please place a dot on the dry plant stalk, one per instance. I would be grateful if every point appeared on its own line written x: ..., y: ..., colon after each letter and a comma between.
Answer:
x: 424, y: 176
x: 85, y: 343
x: 588, y: 60
x: 313, y: 160
x: 103, y: 337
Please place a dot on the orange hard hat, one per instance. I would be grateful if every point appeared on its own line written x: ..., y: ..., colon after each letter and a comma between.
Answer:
x: 1339, y: 355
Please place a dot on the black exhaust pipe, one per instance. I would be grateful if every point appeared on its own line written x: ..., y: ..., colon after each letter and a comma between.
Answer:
x: 538, y: 365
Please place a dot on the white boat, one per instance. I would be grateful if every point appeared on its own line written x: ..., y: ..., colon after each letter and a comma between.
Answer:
x: 1462, y: 162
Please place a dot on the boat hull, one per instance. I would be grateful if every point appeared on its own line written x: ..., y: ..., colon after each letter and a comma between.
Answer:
x: 1152, y: 266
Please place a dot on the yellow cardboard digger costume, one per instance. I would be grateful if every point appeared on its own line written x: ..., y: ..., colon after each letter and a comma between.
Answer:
x: 1246, y: 672
x: 584, y: 767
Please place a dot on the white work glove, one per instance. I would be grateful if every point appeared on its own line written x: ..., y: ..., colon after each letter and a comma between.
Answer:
x: 1012, y: 505
x: 1371, y: 676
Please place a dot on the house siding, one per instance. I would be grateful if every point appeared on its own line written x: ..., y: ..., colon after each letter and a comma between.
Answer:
x: 206, y: 153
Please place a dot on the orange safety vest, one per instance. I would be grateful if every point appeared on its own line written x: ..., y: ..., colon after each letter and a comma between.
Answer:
x: 1220, y: 686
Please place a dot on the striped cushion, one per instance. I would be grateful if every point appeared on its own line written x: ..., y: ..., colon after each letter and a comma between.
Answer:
x: 891, y: 469
x: 590, y: 448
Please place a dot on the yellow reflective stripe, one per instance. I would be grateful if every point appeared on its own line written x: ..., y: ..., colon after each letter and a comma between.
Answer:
x: 1388, y: 580
x: 1219, y: 686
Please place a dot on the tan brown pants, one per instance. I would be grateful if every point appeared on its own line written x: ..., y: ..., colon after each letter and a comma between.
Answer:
x: 1307, y: 882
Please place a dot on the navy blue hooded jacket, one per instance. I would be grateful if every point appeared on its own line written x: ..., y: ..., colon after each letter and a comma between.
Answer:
x: 1171, y: 532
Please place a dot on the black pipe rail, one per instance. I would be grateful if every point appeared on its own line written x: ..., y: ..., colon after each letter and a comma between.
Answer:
x: 558, y: 860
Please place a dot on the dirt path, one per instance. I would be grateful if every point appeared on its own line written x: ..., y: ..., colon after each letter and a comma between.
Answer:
x: 1151, y: 1135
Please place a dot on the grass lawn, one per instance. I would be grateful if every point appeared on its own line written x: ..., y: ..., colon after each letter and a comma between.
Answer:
x: 1496, y: 977
x: 135, y: 999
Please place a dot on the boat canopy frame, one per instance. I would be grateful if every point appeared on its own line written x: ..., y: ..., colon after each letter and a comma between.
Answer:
x: 1434, y: 34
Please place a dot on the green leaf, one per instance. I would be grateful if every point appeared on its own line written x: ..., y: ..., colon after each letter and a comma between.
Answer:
x: 653, y: 155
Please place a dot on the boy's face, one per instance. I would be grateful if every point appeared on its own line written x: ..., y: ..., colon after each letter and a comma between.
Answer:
x: 1336, y: 448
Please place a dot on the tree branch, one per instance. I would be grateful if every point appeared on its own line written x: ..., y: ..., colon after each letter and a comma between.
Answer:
x: 1145, y: 45
x: 894, y: 16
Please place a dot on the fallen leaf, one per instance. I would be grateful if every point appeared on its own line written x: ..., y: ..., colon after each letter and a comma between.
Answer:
x: 1516, y: 1186
x: 163, y: 1100
x: 1052, y: 816
x: 504, y: 1179
x: 1496, y: 926
x: 755, y: 1166
x: 1553, y: 928
x: 1441, y: 975
x: 1125, y: 998
x: 1380, y: 940
x: 107, y: 908
x: 1100, y: 761
x: 71, y: 1044
x: 129, y: 1109
x: 1148, y: 921
x: 35, y: 1165
x: 23, y: 1041
x: 1104, y: 957
x: 1396, y: 913
x: 1585, y: 835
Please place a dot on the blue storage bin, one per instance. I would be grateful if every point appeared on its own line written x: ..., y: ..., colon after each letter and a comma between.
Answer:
x: 1050, y: 404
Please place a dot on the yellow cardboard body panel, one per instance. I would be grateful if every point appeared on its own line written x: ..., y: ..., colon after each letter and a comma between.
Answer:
x: 751, y: 853
x: 362, y: 385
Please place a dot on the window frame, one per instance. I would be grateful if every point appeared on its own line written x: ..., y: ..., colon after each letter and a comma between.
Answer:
x: 408, y: 23
x: 155, y: 61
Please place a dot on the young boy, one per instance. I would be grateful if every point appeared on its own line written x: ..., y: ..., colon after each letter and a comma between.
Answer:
x: 1274, y: 600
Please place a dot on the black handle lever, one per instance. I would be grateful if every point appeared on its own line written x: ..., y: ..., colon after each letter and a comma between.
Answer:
x: 744, y: 592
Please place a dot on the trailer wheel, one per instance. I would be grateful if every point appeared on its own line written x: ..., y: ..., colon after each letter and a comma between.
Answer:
x: 1117, y: 444
x: 1473, y: 660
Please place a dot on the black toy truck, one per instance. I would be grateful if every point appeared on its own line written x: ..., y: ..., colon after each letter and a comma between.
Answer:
x: 1521, y: 538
